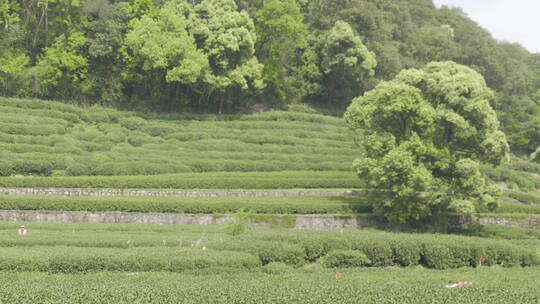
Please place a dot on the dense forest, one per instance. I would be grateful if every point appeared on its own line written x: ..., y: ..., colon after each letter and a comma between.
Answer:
x: 217, y: 56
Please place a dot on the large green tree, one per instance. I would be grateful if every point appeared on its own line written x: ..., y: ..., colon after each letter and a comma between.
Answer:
x: 281, y: 33
x: 424, y: 135
x: 347, y: 65
x: 163, y: 43
x: 62, y: 70
x: 106, y: 27
x: 227, y: 38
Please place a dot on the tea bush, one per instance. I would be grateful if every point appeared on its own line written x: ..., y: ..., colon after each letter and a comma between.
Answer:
x: 291, y: 247
x: 272, y: 141
x: 213, y: 180
x: 345, y: 258
x: 60, y: 259
x: 215, y: 285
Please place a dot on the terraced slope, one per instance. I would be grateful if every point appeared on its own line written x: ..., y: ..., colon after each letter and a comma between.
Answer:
x: 49, y: 138
x: 96, y: 263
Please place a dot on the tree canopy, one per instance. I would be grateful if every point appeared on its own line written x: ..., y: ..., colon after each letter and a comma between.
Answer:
x: 423, y: 136
x: 225, y: 55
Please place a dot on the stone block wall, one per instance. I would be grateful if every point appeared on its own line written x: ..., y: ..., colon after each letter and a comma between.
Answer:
x: 310, y: 222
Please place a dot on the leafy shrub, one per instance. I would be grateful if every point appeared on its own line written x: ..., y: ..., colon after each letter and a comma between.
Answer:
x: 499, y: 232
x: 214, y: 180
x: 87, y: 134
x: 437, y: 256
x: 525, y: 197
x: 6, y: 168
x: 61, y: 259
x: 138, y: 139
x: 345, y: 258
x: 132, y: 123
x: 379, y: 252
x: 267, y: 252
x: 97, y: 114
x: 77, y: 169
x: 465, y: 255
x: 315, y: 247
x: 157, y: 129
x: 238, y: 224
x: 115, y: 136
x: 33, y: 167
x: 504, y: 256
x: 518, y: 208
x: 406, y: 253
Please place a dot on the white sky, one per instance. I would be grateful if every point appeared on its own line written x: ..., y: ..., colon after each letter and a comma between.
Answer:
x: 507, y: 20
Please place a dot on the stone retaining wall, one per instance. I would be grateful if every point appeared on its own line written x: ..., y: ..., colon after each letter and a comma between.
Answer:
x: 164, y: 192
x: 312, y: 222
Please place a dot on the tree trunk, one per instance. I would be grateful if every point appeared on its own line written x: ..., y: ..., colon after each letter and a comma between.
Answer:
x: 220, y: 106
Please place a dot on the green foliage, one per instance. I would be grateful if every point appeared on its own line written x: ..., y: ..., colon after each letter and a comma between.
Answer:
x: 379, y: 253
x: 216, y: 180
x: 196, y: 205
x: 94, y: 247
x: 63, y: 66
x: 281, y: 33
x: 345, y: 258
x: 515, y: 179
x: 75, y: 260
x: 128, y: 53
x: 268, y: 252
x: 227, y: 37
x: 8, y: 13
x: 406, y: 253
x: 238, y: 224
x: 525, y: 198
x: 12, y: 70
x: 518, y: 208
x: 498, y: 232
x: 163, y: 43
x: 103, y: 141
x: 423, y: 136
x: 498, y: 286
x: 346, y: 63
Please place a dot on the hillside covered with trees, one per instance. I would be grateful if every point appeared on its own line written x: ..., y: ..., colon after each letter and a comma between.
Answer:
x: 217, y: 56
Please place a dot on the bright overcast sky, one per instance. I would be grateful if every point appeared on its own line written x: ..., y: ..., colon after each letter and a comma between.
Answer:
x: 507, y: 20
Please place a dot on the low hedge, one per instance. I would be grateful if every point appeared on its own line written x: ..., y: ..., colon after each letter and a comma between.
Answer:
x: 214, y: 180
x: 525, y: 197
x: 517, y: 208
x: 159, y: 245
x: 264, y: 205
x: 345, y: 258
x: 433, y: 251
x: 268, y: 252
x: 75, y: 260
